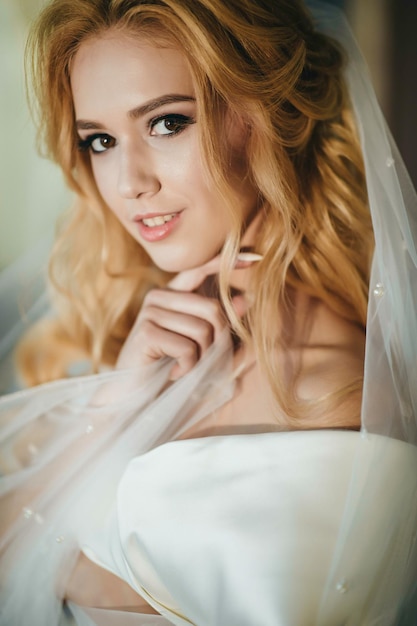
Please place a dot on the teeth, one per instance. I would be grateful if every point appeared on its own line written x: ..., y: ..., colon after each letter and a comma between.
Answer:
x: 159, y: 220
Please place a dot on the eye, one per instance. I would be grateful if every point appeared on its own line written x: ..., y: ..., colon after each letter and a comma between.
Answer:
x: 97, y: 143
x: 169, y: 124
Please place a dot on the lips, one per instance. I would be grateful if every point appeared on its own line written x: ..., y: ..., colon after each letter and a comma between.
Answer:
x: 156, y: 226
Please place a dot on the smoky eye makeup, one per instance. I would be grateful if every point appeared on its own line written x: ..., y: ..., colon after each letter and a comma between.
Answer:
x: 169, y: 125
x: 96, y: 143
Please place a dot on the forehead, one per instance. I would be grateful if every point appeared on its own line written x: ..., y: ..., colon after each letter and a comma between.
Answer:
x: 117, y: 70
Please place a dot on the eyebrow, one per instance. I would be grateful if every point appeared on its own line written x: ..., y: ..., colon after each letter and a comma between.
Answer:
x: 141, y: 110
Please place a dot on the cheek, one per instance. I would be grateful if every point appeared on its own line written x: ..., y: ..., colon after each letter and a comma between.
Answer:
x: 181, y: 164
x: 185, y: 176
x: 106, y: 183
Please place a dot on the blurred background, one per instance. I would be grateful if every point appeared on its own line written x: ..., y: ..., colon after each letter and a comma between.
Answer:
x: 32, y: 193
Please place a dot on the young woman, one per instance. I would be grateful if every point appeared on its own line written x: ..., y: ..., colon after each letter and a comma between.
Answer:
x: 218, y: 259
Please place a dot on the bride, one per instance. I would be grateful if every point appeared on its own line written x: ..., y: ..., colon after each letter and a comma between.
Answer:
x: 242, y: 453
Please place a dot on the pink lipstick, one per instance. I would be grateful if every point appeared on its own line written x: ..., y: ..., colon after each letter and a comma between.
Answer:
x: 155, y: 227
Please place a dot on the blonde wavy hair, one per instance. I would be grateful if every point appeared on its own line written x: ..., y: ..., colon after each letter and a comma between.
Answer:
x: 264, y: 61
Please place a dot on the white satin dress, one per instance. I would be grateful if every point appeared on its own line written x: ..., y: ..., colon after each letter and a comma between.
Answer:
x: 241, y: 530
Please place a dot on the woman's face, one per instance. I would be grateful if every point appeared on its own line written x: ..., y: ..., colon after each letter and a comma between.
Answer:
x: 136, y: 114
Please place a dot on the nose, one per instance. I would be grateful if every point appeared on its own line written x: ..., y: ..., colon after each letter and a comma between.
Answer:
x: 136, y: 174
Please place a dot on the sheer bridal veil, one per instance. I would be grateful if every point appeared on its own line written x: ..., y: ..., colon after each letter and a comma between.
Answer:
x: 64, y: 445
x: 390, y: 391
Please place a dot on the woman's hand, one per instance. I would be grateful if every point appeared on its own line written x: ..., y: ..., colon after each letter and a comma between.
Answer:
x: 178, y: 323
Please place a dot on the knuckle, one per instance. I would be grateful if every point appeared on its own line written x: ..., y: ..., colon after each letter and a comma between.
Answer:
x: 148, y: 298
x: 214, y: 307
x: 150, y: 312
x: 151, y: 297
x: 189, y: 350
x: 146, y: 330
x: 217, y: 314
x: 206, y: 333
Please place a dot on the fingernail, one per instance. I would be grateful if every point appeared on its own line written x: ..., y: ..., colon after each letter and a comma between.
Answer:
x: 249, y: 257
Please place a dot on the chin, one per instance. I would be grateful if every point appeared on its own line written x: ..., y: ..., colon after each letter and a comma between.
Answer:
x: 178, y: 264
x: 174, y: 267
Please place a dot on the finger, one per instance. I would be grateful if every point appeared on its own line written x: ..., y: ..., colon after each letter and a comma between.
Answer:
x: 191, y: 304
x: 189, y: 280
x: 200, y: 330
x: 164, y: 343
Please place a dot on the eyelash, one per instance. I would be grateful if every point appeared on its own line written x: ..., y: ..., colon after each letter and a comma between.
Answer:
x: 86, y: 144
x: 182, y: 120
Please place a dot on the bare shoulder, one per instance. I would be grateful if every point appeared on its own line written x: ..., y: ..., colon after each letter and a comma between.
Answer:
x: 331, y: 357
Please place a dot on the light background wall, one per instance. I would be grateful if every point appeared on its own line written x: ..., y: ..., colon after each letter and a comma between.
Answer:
x: 31, y: 190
